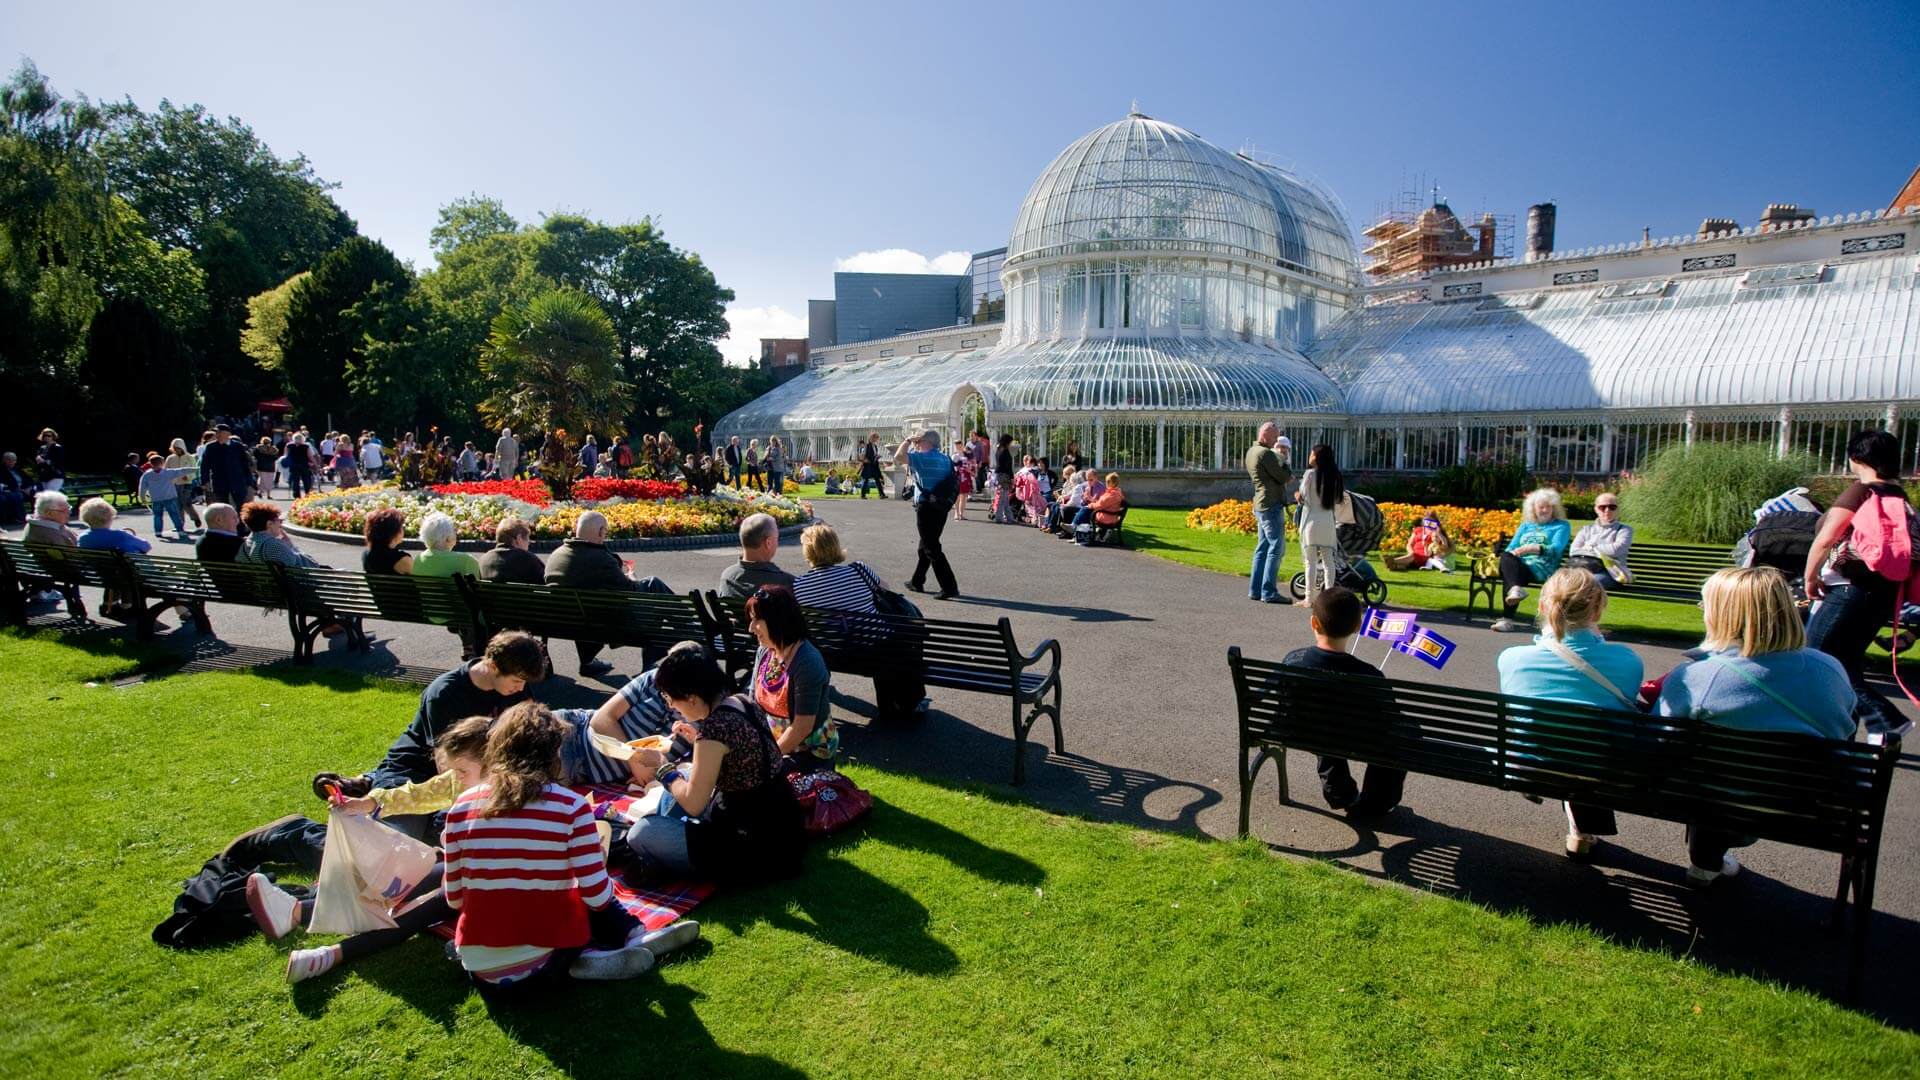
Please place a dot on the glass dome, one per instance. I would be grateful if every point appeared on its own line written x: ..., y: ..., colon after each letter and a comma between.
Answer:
x: 1140, y: 185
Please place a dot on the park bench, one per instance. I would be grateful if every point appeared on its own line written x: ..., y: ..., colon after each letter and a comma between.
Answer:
x: 321, y: 597
x: 652, y: 622
x: 978, y: 657
x: 1824, y: 794
x: 26, y: 572
x: 1660, y: 572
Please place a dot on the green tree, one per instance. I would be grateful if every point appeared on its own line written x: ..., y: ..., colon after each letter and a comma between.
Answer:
x: 331, y: 316
x: 469, y: 218
x: 137, y: 377
x: 54, y: 205
x: 264, y: 338
x: 665, y: 306
x: 550, y: 365
x: 250, y: 219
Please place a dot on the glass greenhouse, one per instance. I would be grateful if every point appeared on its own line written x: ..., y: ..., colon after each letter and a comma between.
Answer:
x: 1164, y: 297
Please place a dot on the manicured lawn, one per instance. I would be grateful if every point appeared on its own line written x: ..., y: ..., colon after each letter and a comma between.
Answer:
x: 1163, y: 531
x: 955, y: 935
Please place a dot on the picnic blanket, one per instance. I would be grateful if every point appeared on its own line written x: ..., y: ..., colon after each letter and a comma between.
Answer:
x: 656, y: 906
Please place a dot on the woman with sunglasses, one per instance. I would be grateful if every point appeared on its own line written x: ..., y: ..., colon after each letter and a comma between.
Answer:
x: 1601, y: 548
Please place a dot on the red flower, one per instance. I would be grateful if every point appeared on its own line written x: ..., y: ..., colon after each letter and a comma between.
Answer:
x: 594, y: 489
x: 527, y: 491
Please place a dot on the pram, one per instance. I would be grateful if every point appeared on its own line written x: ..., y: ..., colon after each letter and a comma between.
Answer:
x: 1350, y: 567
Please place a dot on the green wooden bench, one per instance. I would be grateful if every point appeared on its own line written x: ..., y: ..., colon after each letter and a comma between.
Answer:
x: 320, y: 597
x: 651, y: 622
x: 1811, y: 792
x: 978, y: 657
x: 23, y: 572
x: 1660, y: 572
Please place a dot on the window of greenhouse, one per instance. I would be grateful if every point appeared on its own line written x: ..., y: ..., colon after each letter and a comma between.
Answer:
x: 1568, y: 448
x: 1189, y: 301
x: 1376, y: 450
x: 1026, y: 437
x: 1498, y: 442
x: 1128, y: 446
x: 1059, y: 435
x: 1189, y: 446
x: 1825, y: 438
x: 1635, y: 444
x: 1737, y: 430
x: 1431, y: 448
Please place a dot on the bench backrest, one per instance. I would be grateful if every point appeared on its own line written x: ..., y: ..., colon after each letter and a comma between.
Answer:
x: 1797, y: 789
x: 70, y: 565
x: 399, y: 598
x: 868, y: 644
x: 658, y: 620
x: 1674, y: 568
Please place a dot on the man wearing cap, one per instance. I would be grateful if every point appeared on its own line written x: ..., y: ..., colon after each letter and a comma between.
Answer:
x: 934, y: 490
x: 226, y: 469
x: 1267, y: 468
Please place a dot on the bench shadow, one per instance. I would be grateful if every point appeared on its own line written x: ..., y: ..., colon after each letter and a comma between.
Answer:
x: 1751, y: 925
x: 1066, y: 611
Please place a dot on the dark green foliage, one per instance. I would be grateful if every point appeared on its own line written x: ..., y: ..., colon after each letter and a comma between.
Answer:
x: 330, y: 314
x: 138, y: 378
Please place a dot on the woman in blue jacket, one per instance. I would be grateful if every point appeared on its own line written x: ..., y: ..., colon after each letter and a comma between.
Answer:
x: 1535, y: 551
x: 1755, y: 674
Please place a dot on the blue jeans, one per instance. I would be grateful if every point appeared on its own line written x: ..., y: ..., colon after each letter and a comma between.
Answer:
x: 1271, y: 526
x: 167, y: 506
x: 661, y: 843
x: 1842, y: 627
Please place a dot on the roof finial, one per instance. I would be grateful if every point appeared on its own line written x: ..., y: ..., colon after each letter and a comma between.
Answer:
x: 1135, y: 110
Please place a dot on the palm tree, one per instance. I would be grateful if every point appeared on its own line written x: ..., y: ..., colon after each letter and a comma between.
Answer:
x: 550, y: 364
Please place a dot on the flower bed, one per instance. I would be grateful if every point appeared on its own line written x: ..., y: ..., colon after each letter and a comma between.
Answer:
x: 477, y: 515
x: 533, y: 492
x: 598, y: 488
x: 1473, y: 529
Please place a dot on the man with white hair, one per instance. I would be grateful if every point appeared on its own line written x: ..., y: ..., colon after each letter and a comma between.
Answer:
x: 1267, y: 469
x: 222, y: 540
x: 48, y: 526
x: 584, y: 562
x: 759, y: 542
x: 935, y: 487
x: 506, y: 454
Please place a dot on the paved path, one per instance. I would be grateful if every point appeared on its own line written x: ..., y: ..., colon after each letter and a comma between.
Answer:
x: 1149, y: 721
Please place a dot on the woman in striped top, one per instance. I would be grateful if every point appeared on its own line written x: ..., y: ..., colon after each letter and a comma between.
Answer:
x: 524, y: 868
x: 836, y: 583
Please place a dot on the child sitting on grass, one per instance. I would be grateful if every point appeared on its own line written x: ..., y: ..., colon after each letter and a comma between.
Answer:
x: 525, y: 871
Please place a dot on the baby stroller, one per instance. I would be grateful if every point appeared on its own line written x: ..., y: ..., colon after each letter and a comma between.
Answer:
x: 1350, y: 567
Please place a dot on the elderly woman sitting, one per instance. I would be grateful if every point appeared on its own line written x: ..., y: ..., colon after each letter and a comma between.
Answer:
x: 97, y: 515
x: 439, y: 534
x: 1535, y: 551
x: 838, y: 584
x: 1755, y: 674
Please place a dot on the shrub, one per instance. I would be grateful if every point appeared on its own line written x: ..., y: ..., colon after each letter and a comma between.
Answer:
x: 1708, y: 492
x: 1227, y: 515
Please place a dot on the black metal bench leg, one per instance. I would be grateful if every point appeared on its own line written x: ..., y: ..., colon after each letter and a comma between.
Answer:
x: 198, y: 611
x: 1059, y: 740
x: 1019, y: 744
x: 302, y: 645
x: 1249, y: 773
x: 1862, y: 926
x: 1838, y: 917
x: 76, y: 604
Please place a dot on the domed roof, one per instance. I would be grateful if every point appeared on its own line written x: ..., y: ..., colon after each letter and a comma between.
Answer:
x: 1143, y: 185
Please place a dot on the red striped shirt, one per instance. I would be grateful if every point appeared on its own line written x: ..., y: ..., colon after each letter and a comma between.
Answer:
x: 525, y: 878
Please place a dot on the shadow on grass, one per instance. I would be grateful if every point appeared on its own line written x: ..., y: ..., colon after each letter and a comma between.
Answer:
x: 1751, y: 925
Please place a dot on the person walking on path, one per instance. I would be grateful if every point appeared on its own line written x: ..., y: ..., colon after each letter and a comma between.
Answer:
x: 1268, y: 470
x: 1003, y: 478
x: 733, y: 462
x: 934, y: 489
x: 299, y: 466
x: 50, y: 461
x: 870, y: 466
x: 776, y: 462
x: 506, y: 454
x: 1321, y: 490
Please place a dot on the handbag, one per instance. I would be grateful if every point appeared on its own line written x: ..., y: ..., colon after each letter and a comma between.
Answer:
x: 828, y: 800
x: 885, y: 600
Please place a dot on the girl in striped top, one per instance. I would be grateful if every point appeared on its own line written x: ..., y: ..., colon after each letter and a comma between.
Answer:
x: 525, y: 871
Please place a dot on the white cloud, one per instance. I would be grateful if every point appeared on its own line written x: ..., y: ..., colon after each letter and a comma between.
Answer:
x: 747, y: 325
x: 902, y: 261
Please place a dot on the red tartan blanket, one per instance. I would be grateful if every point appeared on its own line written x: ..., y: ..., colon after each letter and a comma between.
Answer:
x: 656, y: 906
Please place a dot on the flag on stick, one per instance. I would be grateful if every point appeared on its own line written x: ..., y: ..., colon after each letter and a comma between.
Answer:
x: 1427, y: 646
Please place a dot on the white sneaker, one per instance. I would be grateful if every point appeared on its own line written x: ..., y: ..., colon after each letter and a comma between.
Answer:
x: 665, y: 940
x: 304, y: 964
x: 274, y: 908
x: 1516, y: 594
x: 608, y: 965
x: 1504, y: 626
x: 1729, y: 866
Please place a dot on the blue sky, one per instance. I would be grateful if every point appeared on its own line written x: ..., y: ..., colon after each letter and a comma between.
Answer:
x: 779, y: 140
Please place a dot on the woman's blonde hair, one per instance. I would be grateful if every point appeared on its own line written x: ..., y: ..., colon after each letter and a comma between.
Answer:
x: 1749, y: 608
x: 1548, y: 496
x: 522, y: 756
x: 1113, y: 478
x: 1571, y: 600
x: 821, y: 546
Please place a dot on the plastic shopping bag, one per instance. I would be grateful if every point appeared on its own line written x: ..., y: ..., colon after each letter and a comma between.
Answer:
x: 366, y: 869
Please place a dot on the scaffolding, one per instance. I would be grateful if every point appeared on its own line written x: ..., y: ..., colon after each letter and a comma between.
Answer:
x: 1412, y: 236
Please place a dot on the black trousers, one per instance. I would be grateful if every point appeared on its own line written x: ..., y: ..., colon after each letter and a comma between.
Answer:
x: 930, y: 518
x: 590, y: 649
x: 1379, y: 791
x: 1707, y: 848
x: 425, y: 907
x: 1513, y: 575
x: 607, y: 928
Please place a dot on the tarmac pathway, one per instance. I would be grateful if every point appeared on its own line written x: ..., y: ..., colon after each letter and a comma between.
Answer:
x: 1150, y: 734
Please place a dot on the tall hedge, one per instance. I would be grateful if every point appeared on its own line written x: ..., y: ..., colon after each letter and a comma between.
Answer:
x: 1708, y: 492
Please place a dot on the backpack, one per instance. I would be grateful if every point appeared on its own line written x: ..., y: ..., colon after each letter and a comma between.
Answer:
x: 212, y: 907
x: 947, y: 490
x: 1880, y: 541
x: 1781, y: 540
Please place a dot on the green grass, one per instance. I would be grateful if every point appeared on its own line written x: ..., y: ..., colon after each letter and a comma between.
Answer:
x: 1163, y: 531
x: 955, y: 935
